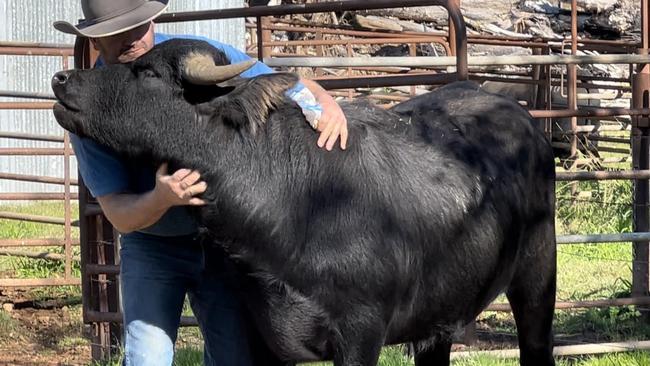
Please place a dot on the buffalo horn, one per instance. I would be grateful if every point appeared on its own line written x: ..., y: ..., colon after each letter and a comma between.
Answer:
x: 201, y: 70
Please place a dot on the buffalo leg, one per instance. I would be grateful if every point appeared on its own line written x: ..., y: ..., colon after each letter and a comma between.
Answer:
x: 532, y: 295
x: 356, y: 346
x: 435, y: 355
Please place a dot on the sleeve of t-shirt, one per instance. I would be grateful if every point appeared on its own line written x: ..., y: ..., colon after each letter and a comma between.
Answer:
x: 102, y: 171
x: 235, y: 56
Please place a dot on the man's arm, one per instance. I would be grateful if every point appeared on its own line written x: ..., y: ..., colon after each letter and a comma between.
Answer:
x: 332, y: 122
x: 131, y: 212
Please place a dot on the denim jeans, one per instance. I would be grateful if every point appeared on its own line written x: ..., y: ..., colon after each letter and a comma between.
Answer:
x: 156, y: 274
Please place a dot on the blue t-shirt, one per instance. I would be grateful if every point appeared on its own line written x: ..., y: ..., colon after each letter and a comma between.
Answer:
x: 105, y: 172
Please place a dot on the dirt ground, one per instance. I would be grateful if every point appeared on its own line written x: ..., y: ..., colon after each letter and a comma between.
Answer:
x: 44, y: 332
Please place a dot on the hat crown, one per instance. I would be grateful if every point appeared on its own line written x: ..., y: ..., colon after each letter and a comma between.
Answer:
x: 98, y: 10
x: 103, y: 18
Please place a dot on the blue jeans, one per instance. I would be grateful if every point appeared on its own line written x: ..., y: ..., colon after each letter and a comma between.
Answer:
x: 156, y: 273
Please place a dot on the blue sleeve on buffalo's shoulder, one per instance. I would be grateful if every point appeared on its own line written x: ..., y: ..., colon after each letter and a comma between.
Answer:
x: 235, y: 56
x: 102, y: 171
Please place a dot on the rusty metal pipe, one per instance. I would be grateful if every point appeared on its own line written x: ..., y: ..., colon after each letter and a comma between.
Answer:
x: 33, y: 255
x: 615, y: 140
x: 446, y: 61
x: 645, y: 26
x: 35, y: 178
x: 23, y: 51
x: 26, y: 105
x: 589, y: 112
x: 33, y: 282
x: 67, y: 209
x: 364, y: 41
x: 31, y: 95
x: 641, y: 160
x: 29, y: 136
x: 34, y: 196
x: 32, y: 218
x: 116, y: 317
x: 22, y: 151
x: 346, y: 32
x: 109, y: 269
x: 602, y: 238
x: 35, y: 242
x: 520, y: 80
x: 641, y: 300
x: 36, y: 45
x: 379, y: 81
x: 581, y: 176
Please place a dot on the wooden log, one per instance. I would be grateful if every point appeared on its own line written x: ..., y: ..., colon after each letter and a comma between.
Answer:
x: 377, y: 23
x: 429, y: 14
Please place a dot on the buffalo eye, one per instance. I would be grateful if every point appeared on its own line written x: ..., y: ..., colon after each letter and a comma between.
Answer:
x: 148, y: 73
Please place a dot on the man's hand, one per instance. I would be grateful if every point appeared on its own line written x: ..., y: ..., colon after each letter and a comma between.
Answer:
x: 130, y: 212
x: 332, y: 124
x: 179, y: 188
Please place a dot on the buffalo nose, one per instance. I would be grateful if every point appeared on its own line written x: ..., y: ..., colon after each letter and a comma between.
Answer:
x: 60, y: 77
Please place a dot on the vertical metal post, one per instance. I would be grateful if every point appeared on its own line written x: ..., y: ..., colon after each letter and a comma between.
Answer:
x: 413, y: 52
x: 548, y: 96
x: 470, y: 337
x: 452, y: 30
x: 263, y: 36
x: 536, y: 75
x: 538, y: 102
x: 572, y: 82
x: 320, y: 52
x: 349, y: 53
x: 67, y: 210
x: 105, y: 337
x: 641, y: 160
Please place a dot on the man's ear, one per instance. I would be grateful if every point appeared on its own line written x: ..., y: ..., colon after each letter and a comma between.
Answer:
x: 250, y: 103
x: 94, y: 42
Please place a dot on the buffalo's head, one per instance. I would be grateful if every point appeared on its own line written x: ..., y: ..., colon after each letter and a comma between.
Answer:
x: 179, y: 85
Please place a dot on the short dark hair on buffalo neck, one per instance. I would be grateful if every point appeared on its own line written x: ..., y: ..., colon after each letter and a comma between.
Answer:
x: 437, y: 205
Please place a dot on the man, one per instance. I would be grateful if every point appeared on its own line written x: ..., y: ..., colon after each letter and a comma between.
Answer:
x: 161, y: 259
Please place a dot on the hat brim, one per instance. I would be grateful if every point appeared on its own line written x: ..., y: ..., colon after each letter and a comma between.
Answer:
x: 122, y: 23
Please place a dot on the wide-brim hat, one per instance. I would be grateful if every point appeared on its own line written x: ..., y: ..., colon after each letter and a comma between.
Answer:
x: 109, y: 17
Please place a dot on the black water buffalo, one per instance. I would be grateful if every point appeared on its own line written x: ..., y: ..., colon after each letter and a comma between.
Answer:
x: 437, y: 206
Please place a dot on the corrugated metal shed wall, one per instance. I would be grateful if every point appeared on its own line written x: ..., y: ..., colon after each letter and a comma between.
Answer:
x: 31, y: 21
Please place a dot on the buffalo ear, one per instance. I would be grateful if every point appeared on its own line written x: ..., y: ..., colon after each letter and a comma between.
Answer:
x: 250, y: 103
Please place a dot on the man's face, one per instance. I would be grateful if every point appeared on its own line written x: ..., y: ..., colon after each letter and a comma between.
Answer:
x: 127, y: 46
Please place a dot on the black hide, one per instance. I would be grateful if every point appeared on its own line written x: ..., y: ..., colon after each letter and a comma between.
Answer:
x: 437, y: 206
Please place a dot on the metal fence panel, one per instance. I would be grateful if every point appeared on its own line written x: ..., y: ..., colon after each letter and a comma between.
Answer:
x: 31, y: 21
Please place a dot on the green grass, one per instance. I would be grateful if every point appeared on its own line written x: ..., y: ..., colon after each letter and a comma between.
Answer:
x: 7, y: 325
x: 12, y: 229
x: 394, y: 356
x: 615, y: 359
x: 188, y: 356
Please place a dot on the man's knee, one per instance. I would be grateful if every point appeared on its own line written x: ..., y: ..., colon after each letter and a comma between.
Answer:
x: 146, y: 344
